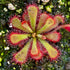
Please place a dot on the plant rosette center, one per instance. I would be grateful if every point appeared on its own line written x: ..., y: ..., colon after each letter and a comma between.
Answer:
x: 33, y: 34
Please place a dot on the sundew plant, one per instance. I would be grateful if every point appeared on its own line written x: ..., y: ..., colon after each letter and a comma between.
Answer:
x: 35, y: 35
x: 33, y: 32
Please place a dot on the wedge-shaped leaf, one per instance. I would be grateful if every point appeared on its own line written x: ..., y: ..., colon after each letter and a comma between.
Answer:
x: 34, y: 49
x: 32, y: 13
x: 57, y: 19
x: 53, y: 36
x: 66, y: 26
x: 16, y: 38
x: 49, y: 22
x: 22, y: 55
x: 17, y: 23
x: 42, y: 20
x: 52, y: 52
x: 26, y: 26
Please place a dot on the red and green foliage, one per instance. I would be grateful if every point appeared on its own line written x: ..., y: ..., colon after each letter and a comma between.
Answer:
x: 39, y: 30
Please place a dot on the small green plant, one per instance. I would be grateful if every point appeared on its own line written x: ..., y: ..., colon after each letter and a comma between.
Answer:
x: 34, y: 31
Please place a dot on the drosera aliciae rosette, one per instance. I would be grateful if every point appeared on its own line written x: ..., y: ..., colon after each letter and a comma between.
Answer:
x: 39, y: 32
